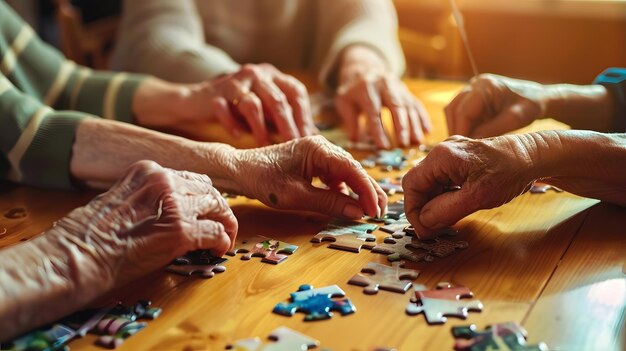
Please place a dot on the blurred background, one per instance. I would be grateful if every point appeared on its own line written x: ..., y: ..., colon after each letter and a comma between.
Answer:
x: 544, y: 40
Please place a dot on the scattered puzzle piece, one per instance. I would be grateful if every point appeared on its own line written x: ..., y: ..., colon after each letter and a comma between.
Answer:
x: 271, y: 250
x: 347, y: 235
x: 284, y: 339
x: 504, y: 336
x: 440, y: 246
x: 387, y: 159
x: 316, y: 303
x: 52, y: 338
x: 384, y: 277
x: 397, y: 248
x: 121, y: 322
x: 396, y: 226
x: 391, y: 186
x: 542, y: 188
x: 446, y: 300
x: 199, y: 262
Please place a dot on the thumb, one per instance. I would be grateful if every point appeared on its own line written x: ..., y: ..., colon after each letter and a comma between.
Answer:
x: 334, y: 203
x: 512, y: 118
x: 448, y: 208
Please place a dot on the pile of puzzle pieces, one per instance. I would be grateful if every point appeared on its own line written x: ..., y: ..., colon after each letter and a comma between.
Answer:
x: 113, y: 325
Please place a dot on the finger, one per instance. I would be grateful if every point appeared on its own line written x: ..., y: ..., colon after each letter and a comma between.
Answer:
x: 448, y: 208
x: 450, y: 111
x: 370, y: 103
x: 510, y: 119
x: 391, y: 99
x: 275, y: 101
x: 382, y: 198
x: 349, y: 113
x: 333, y: 203
x: 417, y: 135
x: 251, y: 109
x: 213, y: 236
x: 221, y: 110
x: 427, y: 125
x: 298, y: 99
x: 462, y: 120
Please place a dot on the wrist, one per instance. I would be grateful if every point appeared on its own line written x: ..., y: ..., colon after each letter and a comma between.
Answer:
x: 159, y: 104
x: 574, y: 104
x: 359, y: 61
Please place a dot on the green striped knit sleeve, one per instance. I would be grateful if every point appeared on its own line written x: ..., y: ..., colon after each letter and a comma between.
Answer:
x: 35, y: 140
x: 42, y: 72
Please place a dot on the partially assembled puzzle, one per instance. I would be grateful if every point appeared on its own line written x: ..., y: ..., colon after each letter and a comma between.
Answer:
x: 316, y: 303
x: 444, y: 301
x: 504, y: 336
x: 270, y: 250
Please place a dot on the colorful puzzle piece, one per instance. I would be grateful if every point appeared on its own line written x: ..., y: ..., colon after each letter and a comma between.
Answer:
x: 391, y: 186
x: 199, y: 262
x: 53, y: 338
x: 387, y: 159
x: 504, y: 336
x: 384, y: 277
x: 316, y: 303
x: 542, y: 188
x: 347, y: 235
x: 121, y: 323
x: 446, y: 300
x: 396, y: 226
x: 271, y: 250
x: 284, y: 339
x: 397, y: 248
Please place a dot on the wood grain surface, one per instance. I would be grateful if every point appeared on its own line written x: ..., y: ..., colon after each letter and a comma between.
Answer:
x: 554, y: 262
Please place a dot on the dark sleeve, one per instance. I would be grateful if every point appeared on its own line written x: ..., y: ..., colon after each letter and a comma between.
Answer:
x: 614, y: 79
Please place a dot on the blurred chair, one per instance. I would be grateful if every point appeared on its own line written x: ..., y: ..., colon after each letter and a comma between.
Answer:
x: 87, y: 44
x: 431, y: 41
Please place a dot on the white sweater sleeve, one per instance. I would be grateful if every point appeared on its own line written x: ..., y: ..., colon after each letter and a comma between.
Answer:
x: 342, y: 23
x: 165, y: 38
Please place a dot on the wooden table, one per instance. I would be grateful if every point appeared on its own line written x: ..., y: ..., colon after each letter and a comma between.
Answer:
x: 554, y: 263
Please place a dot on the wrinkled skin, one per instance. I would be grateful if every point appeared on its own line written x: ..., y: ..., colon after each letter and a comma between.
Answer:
x: 365, y: 86
x: 490, y: 172
x: 149, y: 217
x: 280, y: 176
x: 493, y: 105
x: 257, y: 96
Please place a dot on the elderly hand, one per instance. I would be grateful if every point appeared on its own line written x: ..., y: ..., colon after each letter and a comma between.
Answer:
x: 149, y: 217
x: 257, y: 96
x: 280, y: 176
x: 493, y: 105
x: 489, y: 172
x: 365, y: 87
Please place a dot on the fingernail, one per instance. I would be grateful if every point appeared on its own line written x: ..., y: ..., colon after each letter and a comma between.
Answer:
x: 353, y: 211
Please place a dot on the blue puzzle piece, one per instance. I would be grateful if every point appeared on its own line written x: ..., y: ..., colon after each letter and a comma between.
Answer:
x: 316, y: 303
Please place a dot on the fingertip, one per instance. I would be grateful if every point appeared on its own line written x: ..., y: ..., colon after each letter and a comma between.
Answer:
x: 352, y: 211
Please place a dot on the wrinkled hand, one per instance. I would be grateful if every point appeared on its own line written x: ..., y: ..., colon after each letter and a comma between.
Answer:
x: 366, y: 95
x: 280, y: 176
x: 493, y: 105
x: 149, y: 217
x: 490, y: 173
x: 256, y: 97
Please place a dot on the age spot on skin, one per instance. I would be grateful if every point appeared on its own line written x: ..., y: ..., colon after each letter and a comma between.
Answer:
x: 273, y: 199
x: 16, y: 213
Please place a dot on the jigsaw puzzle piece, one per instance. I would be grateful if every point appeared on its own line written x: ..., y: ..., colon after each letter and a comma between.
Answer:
x: 199, y: 263
x: 52, y: 338
x: 316, y: 303
x: 444, y: 301
x: 270, y: 250
x: 284, y: 339
x: 542, y: 188
x: 121, y: 323
x: 397, y: 248
x: 384, y: 277
x: 440, y: 246
x: 396, y: 226
x: 504, y: 336
x: 387, y: 159
x: 347, y: 235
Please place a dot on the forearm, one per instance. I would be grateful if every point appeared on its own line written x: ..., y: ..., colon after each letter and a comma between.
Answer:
x: 588, y: 107
x: 586, y: 163
x: 38, y: 285
x: 103, y: 150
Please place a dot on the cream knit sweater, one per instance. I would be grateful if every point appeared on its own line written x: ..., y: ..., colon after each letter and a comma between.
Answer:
x: 191, y: 40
